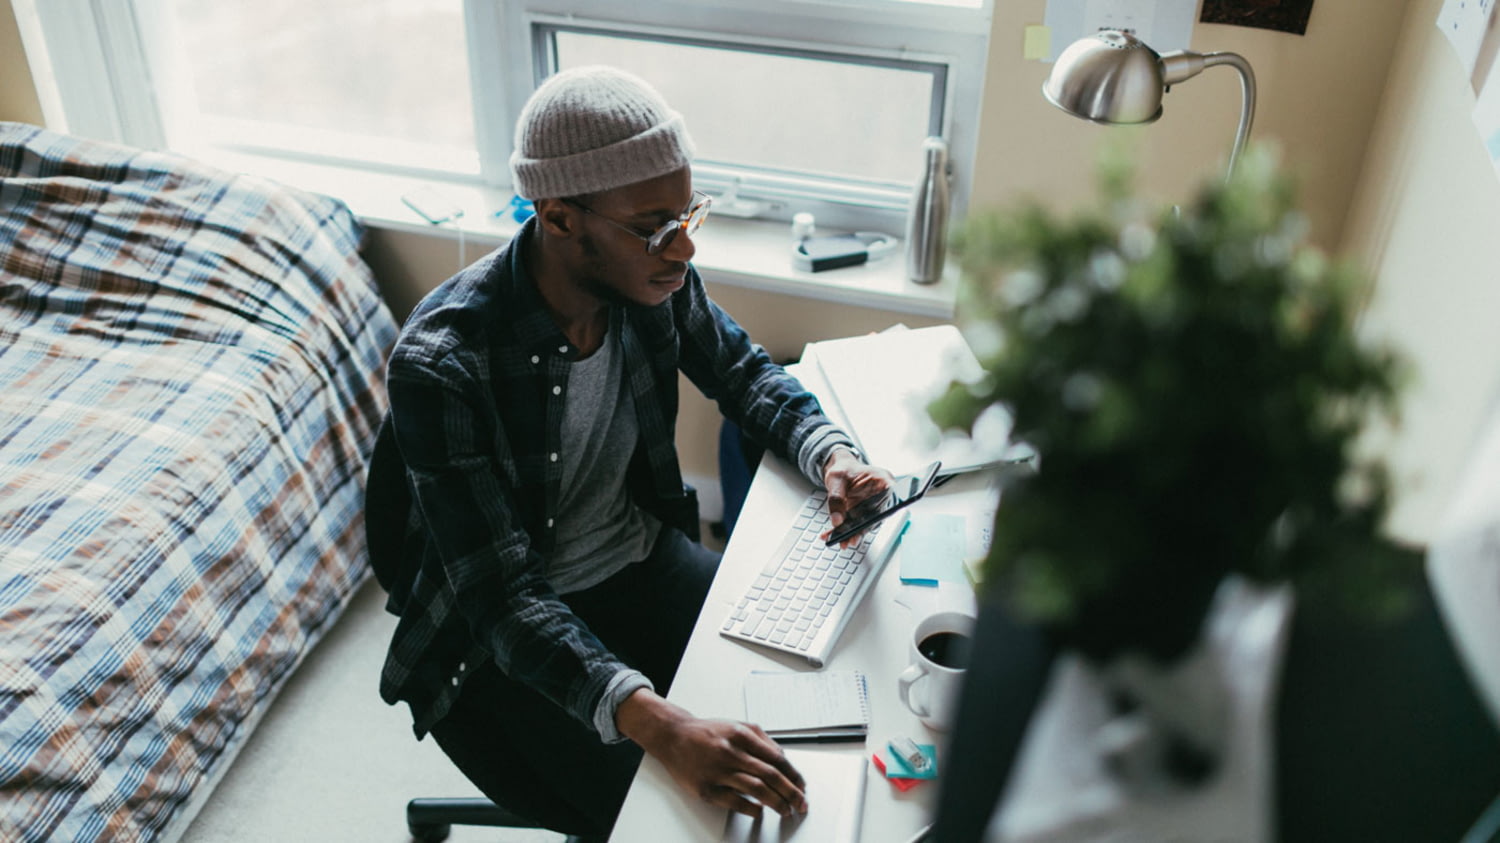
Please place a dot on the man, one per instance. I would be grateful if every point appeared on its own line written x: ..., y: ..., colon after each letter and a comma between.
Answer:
x: 545, y: 580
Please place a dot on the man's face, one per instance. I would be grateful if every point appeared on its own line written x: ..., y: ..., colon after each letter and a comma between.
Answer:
x: 614, y: 265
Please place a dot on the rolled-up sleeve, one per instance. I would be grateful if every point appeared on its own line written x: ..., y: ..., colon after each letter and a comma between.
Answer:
x: 766, y: 401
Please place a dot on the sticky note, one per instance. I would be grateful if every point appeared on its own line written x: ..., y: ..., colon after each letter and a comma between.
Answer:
x: 1038, y: 43
x: 896, y: 782
x: 932, y: 550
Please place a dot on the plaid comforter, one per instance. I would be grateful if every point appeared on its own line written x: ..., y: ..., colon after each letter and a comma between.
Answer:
x: 189, y: 386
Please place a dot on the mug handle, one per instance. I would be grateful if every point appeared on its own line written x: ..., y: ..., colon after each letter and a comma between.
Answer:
x: 910, y: 675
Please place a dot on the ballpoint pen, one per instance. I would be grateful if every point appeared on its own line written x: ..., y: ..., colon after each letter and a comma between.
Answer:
x: 822, y: 737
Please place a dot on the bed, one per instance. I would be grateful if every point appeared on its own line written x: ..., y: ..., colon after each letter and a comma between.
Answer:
x: 190, y: 383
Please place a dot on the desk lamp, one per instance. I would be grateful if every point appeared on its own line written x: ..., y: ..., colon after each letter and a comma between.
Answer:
x: 1113, y: 77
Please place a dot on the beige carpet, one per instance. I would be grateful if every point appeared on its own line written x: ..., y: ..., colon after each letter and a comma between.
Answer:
x: 331, y: 761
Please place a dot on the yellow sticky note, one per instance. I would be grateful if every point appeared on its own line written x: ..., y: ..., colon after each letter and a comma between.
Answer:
x: 1038, y: 44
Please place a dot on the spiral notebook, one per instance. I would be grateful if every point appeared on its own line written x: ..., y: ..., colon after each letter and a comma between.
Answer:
x: 829, y: 705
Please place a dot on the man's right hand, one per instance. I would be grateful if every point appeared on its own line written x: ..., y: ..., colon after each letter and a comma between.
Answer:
x: 723, y: 762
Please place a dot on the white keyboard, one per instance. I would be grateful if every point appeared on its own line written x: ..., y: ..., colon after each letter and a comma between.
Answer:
x: 803, y: 598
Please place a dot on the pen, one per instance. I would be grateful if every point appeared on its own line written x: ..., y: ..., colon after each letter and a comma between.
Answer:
x: 923, y: 834
x: 822, y: 737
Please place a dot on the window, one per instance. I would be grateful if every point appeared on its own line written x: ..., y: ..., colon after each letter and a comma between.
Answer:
x: 827, y: 106
x: 331, y: 86
x: 795, y: 104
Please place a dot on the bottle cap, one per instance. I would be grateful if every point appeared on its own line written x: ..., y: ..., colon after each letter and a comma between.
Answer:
x: 803, y: 226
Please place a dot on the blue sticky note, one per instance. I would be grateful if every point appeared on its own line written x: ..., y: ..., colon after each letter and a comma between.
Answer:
x: 932, y: 551
x: 895, y: 768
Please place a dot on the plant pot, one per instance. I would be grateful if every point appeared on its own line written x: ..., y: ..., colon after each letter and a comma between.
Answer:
x: 1092, y: 769
x: 1156, y: 613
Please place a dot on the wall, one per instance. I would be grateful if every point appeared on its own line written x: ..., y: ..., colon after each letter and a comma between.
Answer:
x: 1423, y: 224
x: 18, y: 100
x: 1318, y: 95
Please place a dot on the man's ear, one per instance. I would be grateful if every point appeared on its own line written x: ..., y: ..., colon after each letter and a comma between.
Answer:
x: 556, y: 216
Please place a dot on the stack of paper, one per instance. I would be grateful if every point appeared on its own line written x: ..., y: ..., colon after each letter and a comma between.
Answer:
x: 878, y: 387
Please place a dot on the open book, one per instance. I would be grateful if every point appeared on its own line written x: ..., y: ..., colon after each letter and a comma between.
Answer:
x: 878, y: 386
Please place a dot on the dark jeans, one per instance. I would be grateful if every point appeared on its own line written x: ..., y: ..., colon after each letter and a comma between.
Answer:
x: 530, y: 756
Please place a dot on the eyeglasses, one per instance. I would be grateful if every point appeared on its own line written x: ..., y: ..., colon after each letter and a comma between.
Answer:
x: 657, y: 241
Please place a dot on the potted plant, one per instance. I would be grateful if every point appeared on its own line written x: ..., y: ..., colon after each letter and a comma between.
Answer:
x: 1194, y: 385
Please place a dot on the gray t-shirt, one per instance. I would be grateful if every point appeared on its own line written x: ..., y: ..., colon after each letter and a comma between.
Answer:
x: 599, y: 530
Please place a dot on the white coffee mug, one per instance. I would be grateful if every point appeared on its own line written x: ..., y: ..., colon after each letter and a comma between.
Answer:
x: 939, y: 649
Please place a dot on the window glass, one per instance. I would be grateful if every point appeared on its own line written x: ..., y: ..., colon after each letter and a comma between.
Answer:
x: 392, y: 69
x: 810, y: 113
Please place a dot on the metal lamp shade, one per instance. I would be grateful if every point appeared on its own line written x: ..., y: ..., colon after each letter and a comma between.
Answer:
x: 1109, y: 77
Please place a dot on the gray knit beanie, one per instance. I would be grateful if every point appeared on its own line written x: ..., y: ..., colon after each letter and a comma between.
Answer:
x: 595, y: 128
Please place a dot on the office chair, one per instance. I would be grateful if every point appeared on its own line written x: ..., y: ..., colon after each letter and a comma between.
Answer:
x: 430, y: 819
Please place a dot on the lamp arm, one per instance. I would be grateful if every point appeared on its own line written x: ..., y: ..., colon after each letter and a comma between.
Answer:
x: 1247, y: 99
x: 1182, y: 65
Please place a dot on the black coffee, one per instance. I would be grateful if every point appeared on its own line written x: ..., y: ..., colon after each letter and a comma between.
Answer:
x: 949, y: 649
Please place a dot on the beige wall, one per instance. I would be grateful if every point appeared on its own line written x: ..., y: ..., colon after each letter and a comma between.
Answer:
x: 1318, y: 95
x: 782, y: 324
x: 18, y: 100
x: 1424, y: 222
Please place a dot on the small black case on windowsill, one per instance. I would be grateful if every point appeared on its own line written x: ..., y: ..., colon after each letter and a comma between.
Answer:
x: 832, y: 252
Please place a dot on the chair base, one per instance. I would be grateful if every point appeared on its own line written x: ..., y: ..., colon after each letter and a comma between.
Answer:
x: 432, y: 820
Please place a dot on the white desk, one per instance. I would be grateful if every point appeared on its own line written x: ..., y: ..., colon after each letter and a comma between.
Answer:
x: 710, y: 680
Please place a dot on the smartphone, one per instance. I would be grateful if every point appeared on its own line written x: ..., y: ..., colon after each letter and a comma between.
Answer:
x: 905, y: 491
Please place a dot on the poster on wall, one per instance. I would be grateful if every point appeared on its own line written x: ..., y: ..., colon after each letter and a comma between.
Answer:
x: 1487, y: 118
x: 1163, y: 24
x: 1469, y: 27
x: 1281, y: 15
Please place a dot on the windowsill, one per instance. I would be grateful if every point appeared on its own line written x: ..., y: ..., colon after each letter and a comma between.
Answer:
x: 745, y: 253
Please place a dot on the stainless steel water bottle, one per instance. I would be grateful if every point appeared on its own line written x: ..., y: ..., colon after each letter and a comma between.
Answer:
x: 927, y: 220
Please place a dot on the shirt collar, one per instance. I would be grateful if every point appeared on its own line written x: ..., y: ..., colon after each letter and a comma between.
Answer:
x: 533, y: 324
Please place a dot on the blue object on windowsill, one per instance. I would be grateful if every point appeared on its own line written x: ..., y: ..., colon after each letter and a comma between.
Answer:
x: 519, y: 209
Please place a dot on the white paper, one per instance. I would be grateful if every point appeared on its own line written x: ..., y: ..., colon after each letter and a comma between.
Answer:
x: 1163, y: 24
x: 835, y: 799
x: 880, y: 386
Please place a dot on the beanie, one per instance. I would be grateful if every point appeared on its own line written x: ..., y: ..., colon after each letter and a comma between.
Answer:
x: 595, y: 128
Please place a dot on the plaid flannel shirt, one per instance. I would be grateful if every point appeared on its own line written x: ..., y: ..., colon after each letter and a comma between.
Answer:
x: 477, y: 385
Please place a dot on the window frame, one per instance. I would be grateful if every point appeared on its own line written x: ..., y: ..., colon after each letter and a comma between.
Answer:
x: 775, y: 188
x: 102, y: 62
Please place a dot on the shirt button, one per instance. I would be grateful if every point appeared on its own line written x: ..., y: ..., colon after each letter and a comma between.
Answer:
x: 549, y: 522
x: 536, y: 358
x: 462, y: 667
x: 557, y: 390
x: 562, y: 349
x: 554, y: 456
x: 455, y: 681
